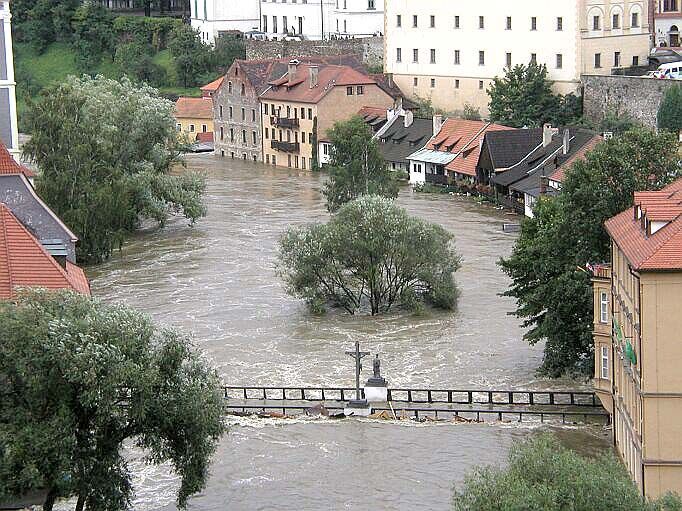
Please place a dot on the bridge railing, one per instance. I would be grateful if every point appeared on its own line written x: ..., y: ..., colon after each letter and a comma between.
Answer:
x: 419, y: 395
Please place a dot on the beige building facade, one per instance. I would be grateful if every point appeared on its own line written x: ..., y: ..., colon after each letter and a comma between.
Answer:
x: 638, y: 339
x: 450, y: 52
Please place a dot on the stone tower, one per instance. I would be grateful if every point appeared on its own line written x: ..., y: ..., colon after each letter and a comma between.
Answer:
x: 8, y: 103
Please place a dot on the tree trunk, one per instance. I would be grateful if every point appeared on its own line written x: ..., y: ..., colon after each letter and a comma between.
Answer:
x: 50, y: 499
x: 80, y: 503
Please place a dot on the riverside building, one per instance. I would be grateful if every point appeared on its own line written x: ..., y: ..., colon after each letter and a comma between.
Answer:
x: 637, y: 339
x: 450, y: 52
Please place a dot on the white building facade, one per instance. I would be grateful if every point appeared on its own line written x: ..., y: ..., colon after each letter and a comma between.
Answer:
x: 358, y: 18
x: 450, y: 52
x: 211, y: 17
x: 8, y: 102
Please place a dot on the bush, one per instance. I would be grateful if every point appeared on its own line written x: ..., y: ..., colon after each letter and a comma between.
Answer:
x: 670, y: 111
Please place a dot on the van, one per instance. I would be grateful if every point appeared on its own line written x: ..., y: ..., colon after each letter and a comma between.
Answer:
x: 670, y: 71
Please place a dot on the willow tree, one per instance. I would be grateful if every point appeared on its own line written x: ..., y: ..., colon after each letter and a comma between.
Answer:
x: 80, y: 378
x: 105, y: 149
x: 370, y: 254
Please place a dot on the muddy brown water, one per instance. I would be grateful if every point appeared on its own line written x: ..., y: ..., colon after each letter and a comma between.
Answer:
x: 217, y: 281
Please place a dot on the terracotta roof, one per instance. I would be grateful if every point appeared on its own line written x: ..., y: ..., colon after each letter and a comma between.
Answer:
x: 463, y: 138
x: 650, y: 247
x: 298, y: 87
x: 8, y: 165
x: 24, y: 261
x: 205, y: 136
x: 560, y: 173
x: 194, y: 108
x: 214, y: 85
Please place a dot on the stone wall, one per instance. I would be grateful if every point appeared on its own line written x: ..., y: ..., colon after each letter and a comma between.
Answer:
x: 370, y: 48
x: 638, y: 97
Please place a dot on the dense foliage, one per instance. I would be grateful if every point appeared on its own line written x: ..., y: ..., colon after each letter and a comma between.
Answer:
x: 356, y: 166
x: 190, y: 55
x: 371, y: 253
x: 93, y: 35
x: 523, y: 98
x: 105, y: 149
x: 543, y: 475
x: 670, y: 111
x: 553, y: 294
x: 80, y: 378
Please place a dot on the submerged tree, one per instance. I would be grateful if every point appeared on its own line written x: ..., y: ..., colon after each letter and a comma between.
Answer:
x: 356, y: 166
x: 372, y: 253
x: 542, y: 474
x: 80, y: 378
x: 105, y: 150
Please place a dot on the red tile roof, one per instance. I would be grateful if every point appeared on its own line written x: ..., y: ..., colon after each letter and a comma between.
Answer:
x: 194, y: 108
x: 462, y: 137
x: 560, y: 173
x: 24, y: 261
x: 205, y: 136
x: 298, y: 88
x: 214, y: 85
x: 662, y: 249
x: 8, y: 165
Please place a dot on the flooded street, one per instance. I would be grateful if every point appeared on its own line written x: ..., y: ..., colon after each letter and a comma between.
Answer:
x: 217, y: 281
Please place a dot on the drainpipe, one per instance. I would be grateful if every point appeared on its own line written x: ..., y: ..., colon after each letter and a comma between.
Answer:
x: 322, y: 18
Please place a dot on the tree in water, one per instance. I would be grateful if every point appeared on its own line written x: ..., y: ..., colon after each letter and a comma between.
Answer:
x: 104, y: 149
x: 370, y: 254
x: 356, y: 166
x: 80, y: 378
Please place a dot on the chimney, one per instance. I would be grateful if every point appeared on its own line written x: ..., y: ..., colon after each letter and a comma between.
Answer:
x: 409, y: 118
x: 567, y: 141
x: 547, y: 134
x: 314, y: 73
x: 437, y: 123
x: 291, y: 72
x: 544, y: 183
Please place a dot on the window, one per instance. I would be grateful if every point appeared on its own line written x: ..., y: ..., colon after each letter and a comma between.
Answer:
x: 596, y: 23
x: 359, y: 90
x: 178, y: 127
x: 414, y: 21
x: 635, y: 60
x: 615, y: 21
x: 597, y: 60
x: 509, y: 25
x: 204, y: 128
x: 534, y: 58
x: 267, y: 159
x: 456, y: 84
x: 616, y: 59
x: 243, y: 136
x: 303, y: 162
x: 481, y: 58
x: 432, y: 21
x: 481, y: 22
x: 288, y: 112
x: 265, y: 23
x: 289, y: 160
x: 230, y: 111
x: 302, y: 137
x: 253, y: 115
x: 274, y: 159
x: 457, y: 61
x: 243, y: 114
x: 325, y: 149
x: 433, y: 83
x: 415, y: 55
x: 603, y: 307
x: 310, y: 114
x: 604, y: 362
x: 398, y: 54
x: 191, y: 128
x: 415, y: 81
x: 222, y: 133
x: 265, y: 108
x: 267, y: 133
x: 398, y: 21
x: 559, y: 61
x: 349, y: 91
x: 560, y: 23
x: 456, y: 21
x: 635, y: 20
x: 243, y: 89
x: 432, y: 58
x: 509, y: 59
x: 302, y: 113
x: 221, y: 111
x: 254, y: 136
x: 480, y: 84
x: 231, y: 135
x: 533, y: 23
x: 229, y: 87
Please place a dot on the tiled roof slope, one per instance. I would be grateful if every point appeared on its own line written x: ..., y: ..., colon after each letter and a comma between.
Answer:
x: 398, y: 142
x: 24, y: 261
x: 213, y: 86
x: 650, y: 247
x: 9, y: 165
x: 194, y: 108
x: 560, y: 173
x: 507, y: 148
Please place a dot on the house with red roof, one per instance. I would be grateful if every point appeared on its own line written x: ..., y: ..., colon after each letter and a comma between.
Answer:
x: 638, y: 340
x: 194, y: 116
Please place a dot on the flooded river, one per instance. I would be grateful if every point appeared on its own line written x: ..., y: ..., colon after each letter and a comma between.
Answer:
x: 217, y: 281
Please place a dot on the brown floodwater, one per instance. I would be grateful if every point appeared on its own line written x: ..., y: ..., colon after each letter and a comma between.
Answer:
x: 217, y: 281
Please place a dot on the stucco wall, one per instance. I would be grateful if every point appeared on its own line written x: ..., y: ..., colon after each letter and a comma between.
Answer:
x: 635, y: 96
x: 371, y: 49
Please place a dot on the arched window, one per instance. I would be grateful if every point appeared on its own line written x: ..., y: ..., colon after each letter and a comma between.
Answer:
x: 229, y: 87
x: 243, y: 91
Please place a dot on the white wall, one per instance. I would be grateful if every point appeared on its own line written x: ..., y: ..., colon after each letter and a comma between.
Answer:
x: 358, y: 17
x: 8, y: 110
x: 417, y: 172
x: 213, y: 16
x: 307, y: 15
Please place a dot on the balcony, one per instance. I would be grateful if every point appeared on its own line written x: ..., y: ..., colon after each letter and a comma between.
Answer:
x: 284, y: 122
x: 285, y: 147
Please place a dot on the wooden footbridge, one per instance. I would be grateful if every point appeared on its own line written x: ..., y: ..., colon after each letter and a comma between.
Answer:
x: 475, y: 405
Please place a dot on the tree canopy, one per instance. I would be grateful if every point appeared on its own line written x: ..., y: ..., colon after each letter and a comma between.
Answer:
x: 523, y: 97
x: 191, y: 56
x: 105, y: 150
x: 356, y: 166
x: 80, y: 378
x: 553, y: 295
x: 370, y: 254
x: 670, y: 112
x: 543, y: 475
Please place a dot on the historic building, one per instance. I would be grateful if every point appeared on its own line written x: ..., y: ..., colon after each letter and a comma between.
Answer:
x: 637, y: 325
x: 451, y: 52
x: 8, y: 104
x: 194, y: 116
x: 299, y: 107
x: 667, y: 22
x: 214, y: 17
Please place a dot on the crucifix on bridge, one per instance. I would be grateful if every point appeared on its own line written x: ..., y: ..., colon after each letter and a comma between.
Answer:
x: 357, y: 355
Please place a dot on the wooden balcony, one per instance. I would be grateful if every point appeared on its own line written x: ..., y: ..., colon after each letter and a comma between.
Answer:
x: 284, y: 122
x: 285, y: 147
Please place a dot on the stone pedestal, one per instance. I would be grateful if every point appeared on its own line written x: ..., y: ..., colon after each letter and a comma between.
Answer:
x: 376, y: 394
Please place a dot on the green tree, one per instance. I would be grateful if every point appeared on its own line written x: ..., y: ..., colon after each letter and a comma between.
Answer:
x: 523, y: 97
x: 136, y: 60
x: 191, y: 57
x: 471, y: 113
x: 42, y: 22
x: 543, y: 475
x: 356, y: 166
x: 553, y: 295
x: 80, y: 378
x: 370, y: 253
x: 105, y: 149
x: 670, y: 112
x: 94, y: 36
x: 225, y: 51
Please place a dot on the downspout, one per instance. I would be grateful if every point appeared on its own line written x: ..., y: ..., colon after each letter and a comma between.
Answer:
x: 322, y: 19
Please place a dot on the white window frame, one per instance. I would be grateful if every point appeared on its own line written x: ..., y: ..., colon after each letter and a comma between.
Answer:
x: 604, y: 366
x: 603, y: 307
